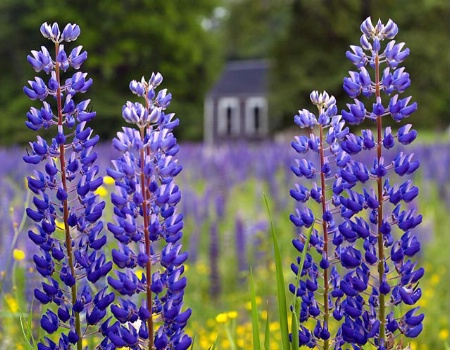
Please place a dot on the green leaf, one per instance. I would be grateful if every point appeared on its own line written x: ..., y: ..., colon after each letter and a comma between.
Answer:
x: 294, y: 331
x: 281, y: 294
x: 267, y: 331
x: 255, y: 319
x: 230, y: 338
x: 193, y: 341
x: 213, y: 347
x: 26, y: 324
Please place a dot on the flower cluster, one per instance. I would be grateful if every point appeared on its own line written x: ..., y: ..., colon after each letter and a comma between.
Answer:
x: 148, y: 227
x: 66, y: 210
x: 361, y: 237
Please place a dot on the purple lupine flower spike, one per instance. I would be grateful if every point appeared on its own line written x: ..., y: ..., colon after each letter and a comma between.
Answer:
x: 321, y: 167
x: 148, y: 227
x: 66, y: 210
x: 373, y: 241
x: 383, y: 246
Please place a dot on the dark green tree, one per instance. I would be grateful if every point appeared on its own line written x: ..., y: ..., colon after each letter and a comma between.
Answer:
x: 125, y: 40
x: 311, y: 54
x: 251, y: 27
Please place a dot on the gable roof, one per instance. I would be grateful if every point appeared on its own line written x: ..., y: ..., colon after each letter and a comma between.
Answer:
x: 244, y: 77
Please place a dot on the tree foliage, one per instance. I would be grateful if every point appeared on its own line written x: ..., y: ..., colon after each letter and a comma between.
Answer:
x: 303, y: 58
x: 305, y: 40
x: 125, y: 40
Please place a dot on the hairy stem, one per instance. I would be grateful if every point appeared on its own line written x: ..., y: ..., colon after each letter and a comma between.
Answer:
x: 68, y: 236
x: 325, y: 237
x: 148, y: 266
x: 381, y: 257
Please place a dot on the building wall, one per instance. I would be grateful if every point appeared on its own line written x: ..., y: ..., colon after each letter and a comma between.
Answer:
x: 216, y: 129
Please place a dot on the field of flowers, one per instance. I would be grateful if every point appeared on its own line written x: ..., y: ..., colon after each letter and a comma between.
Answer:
x: 227, y: 232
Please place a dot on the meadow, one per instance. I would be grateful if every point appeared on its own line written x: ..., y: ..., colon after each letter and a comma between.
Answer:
x: 227, y: 232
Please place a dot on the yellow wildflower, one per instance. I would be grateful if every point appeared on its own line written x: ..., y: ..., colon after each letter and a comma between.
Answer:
x: 18, y: 254
x: 12, y: 303
x: 139, y: 273
x: 443, y: 334
x: 222, y: 317
x: 232, y: 314
x: 101, y: 191
x: 60, y: 224
x: 108, y: 180
x: 435, y: 278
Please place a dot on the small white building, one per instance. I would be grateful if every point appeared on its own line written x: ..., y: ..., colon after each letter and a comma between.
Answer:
x: 236, y: 108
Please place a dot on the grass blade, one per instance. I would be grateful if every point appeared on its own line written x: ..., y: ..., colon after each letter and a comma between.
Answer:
x: 267, y: 331
x: 255, y: 319
x: 213, y: 347
x: 294, y: 331
x: 296, y: 302
x: 281, y: 293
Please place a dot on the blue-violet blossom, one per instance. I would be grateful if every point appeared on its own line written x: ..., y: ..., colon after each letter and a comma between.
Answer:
x: 373, y: 239
x: 148, y: 227
x: 66, y: 210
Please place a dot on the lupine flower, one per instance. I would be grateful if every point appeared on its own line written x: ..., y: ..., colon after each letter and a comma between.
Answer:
x: 148, y: 227
x: 63, y: 187
x: 374, y: 240
x: 318, y: 169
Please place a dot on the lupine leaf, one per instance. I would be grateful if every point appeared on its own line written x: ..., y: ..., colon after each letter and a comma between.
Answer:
x: 281, y: 294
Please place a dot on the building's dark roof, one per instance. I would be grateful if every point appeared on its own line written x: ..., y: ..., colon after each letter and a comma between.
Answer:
x: 242, y: 77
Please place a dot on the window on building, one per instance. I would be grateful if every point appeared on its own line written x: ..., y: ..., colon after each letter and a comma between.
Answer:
x: 256, y: 116
x: 228, y: 116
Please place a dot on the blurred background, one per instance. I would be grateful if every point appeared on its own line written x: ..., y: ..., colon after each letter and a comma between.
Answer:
x: 190, y: 42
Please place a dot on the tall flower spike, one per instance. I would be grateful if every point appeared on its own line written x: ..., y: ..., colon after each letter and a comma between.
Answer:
x: 374, y: 241
x: 148, y: 227
x: 314, y: 284
x: 394, y: 277
x: 71, y: 257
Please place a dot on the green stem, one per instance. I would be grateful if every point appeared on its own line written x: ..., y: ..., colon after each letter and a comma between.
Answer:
x: 17, y: 230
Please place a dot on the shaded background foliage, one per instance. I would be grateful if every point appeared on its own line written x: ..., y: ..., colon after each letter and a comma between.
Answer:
x: 188, y: 41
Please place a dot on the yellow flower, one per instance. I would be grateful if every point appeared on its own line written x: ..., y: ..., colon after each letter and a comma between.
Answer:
x: 232, y: 314
x: 435, y: 279
x: 221, y: 318
x: 18, y: 254
x: 60, y: 224
x: 12, y: 303
x: 443, y: 334
x: 139, y: 273
x: 101, y: 191
x: 108, y: 180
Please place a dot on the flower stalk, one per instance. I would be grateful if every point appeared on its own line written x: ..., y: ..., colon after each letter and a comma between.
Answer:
x: 147, y: 227
x: 65, y: 192
x: 362, y: 303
